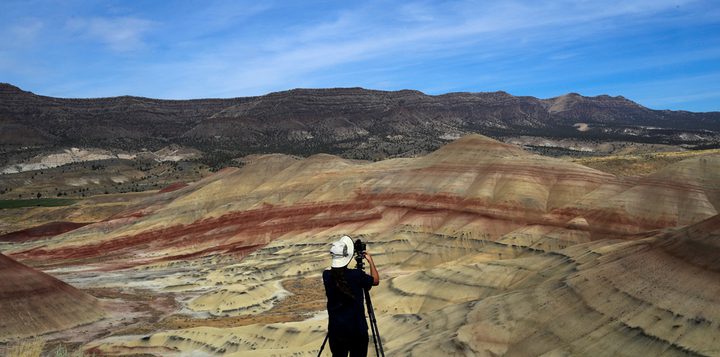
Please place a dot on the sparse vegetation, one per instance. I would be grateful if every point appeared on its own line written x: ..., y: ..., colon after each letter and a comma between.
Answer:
x: 217, y: 159
x: 26, y: 348
x: 86, y: 179
x: 62, y: 351
x: 642, y: 164
x: 44, y: 202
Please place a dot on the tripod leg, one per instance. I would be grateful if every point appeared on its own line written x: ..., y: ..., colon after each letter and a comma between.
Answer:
x: 379, y: 341
x: 373, y: 326
x: 324, y: 342
x: 375, y: 337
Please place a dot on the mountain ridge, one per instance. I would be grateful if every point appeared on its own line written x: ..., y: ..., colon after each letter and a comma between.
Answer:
x: 8, y: 87
x: 354, y: 123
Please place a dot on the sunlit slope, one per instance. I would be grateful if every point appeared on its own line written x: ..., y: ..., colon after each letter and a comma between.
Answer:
x: 482, y: 175
x: 655, y: 296
x: 679, y: 194
x: 470, y: 180
x: 33, y: 303
x: 474, y: 185
x: 481, y: 245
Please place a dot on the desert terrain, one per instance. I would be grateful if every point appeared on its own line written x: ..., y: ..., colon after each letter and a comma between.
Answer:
x: 483, y: 247
x: 531, y: 178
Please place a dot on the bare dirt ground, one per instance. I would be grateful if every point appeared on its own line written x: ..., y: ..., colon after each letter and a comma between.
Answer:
x: 307, y: 298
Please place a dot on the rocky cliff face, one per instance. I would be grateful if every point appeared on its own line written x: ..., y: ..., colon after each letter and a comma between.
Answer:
x: 350, y: 122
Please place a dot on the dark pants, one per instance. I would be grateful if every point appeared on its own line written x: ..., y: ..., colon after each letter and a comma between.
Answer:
x: 357, y: 346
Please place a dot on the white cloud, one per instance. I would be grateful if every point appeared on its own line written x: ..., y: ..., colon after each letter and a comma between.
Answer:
x: 120, y: 34
x: 366, y: 34
x: 233, y: 49
x: 21, y: 34
x: 27, y: 31
x: 417, y: 12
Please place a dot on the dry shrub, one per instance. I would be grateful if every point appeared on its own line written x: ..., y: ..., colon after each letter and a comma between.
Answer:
x: 26, y: 348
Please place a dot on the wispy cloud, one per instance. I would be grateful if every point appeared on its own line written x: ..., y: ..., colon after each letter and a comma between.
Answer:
x: 22, y: 33
x: 27, y: 31
x: 121, y: 34
x: 236, y: 48
x: 422, y: 29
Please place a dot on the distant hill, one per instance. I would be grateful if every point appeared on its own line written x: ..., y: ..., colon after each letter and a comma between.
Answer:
x: 350, y: 122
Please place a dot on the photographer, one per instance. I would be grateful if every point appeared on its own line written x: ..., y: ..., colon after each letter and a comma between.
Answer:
x: 347, y: 328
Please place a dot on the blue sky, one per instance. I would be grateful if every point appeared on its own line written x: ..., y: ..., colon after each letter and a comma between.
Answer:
x: 662, y: 54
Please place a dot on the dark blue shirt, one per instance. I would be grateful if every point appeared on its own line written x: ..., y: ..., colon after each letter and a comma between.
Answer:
x: 347, y: 317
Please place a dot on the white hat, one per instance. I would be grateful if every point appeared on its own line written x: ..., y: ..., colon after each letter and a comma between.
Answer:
x: 342, y: 252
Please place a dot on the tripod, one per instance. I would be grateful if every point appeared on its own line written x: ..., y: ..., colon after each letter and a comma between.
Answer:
x: 371, y: 315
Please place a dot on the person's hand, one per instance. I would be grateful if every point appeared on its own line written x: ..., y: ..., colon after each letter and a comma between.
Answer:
x: 373, y: 270
x: 367, y: 256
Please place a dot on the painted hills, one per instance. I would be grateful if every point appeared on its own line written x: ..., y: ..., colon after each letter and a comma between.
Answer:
x: 353, y: 123
x: 483, y: 249
x: 34, y: 303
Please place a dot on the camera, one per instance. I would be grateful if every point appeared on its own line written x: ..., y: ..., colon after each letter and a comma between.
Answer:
x: 360, y: 247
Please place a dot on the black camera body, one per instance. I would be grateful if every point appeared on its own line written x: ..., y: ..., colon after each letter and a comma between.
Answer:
x: 360, y: 248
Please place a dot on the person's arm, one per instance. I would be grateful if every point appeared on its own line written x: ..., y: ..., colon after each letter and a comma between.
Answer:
x: 373, y: 270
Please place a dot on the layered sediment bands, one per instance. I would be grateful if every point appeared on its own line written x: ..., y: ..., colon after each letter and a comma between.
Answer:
x: 481, y: 176
x: 93, y: 209
x: 288, y: 339
x: 698, y: 244
x: 628, y: 299
x: 224, y: 234
x: 33, y: 303
x: 40, y: 232
x: 483, y: 249
x: 472, y: 178
x: 676, y: 196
